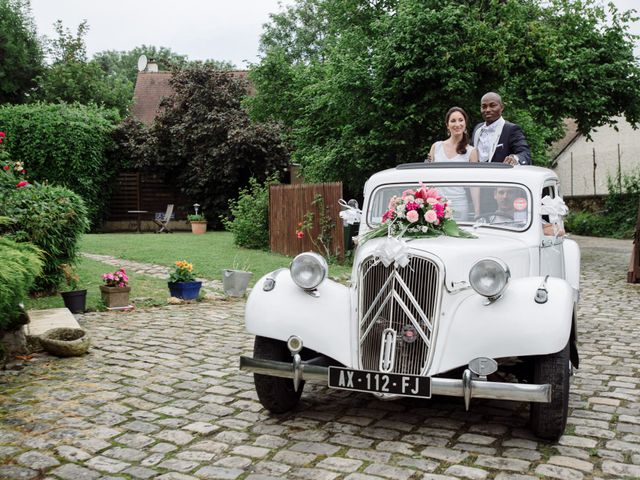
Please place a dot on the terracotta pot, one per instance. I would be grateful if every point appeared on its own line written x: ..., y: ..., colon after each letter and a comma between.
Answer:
x: 115, y: 296
x: 199, y: 227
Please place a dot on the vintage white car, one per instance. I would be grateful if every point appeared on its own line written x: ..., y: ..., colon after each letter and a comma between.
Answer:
x: 493, y: 316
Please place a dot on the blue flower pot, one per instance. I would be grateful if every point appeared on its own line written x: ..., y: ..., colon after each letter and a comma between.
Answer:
x: 185, y: 290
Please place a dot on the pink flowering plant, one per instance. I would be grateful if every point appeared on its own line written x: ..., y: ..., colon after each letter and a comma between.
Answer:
x: 118, y: 278
x: 420, y: 212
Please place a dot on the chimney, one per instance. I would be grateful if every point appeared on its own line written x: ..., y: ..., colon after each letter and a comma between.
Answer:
x: 152, y: 66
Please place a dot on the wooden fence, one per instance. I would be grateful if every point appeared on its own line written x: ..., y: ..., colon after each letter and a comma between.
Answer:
x: 288, y: 205
x: 145, y: 191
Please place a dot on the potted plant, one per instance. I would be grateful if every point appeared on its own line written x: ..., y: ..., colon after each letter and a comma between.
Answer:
x: 236, y: 280
x: 115, y: 291
x: 198, y: 223
x: 182, y: 281
x: 75, y: 300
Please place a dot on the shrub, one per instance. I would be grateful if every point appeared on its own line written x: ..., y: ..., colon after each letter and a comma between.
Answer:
x: 65, y: 145
x: 249, y: 219
x: 618, y: 220
x: 52, y: 218
x: 21, y: 264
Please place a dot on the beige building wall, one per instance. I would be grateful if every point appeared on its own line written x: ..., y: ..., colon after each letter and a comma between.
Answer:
x: 574, y: 165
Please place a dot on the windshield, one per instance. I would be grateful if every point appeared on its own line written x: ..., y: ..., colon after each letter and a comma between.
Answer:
x: 496, y: 205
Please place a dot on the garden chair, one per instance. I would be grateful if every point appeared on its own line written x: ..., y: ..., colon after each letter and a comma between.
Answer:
x: 164, y: 222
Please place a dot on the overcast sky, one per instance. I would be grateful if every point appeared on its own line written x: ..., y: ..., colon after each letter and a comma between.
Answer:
x: 201, y: 29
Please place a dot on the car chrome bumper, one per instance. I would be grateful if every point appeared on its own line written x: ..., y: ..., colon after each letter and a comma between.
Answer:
x: 467, y: 387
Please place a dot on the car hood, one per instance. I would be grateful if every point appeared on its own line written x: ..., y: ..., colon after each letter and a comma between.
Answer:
x: 458, y: 255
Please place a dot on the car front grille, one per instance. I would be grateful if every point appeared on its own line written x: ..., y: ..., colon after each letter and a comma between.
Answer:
x: 394, y: 301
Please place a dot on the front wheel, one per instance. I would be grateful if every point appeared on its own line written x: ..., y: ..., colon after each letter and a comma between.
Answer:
x: 276, y: 394
x: 548, y: 420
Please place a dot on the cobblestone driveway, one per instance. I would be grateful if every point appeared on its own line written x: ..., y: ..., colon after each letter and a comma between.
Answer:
x: 160, y: 396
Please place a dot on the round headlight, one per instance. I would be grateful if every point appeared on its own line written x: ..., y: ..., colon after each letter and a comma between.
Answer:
x: 489, y: 277
x: 308, y: 270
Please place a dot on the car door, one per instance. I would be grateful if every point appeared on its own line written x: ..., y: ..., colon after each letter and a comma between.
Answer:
x: 551, y: 246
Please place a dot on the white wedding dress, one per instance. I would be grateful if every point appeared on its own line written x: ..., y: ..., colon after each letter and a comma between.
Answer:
x: 457, y: 196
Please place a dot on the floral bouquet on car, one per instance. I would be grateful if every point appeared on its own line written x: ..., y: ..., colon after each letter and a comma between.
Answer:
x: 418, y: 213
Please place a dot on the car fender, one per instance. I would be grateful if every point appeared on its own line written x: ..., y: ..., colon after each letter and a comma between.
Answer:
x: 513, y: 325
x: 572, y: 262
x: 321, y: 319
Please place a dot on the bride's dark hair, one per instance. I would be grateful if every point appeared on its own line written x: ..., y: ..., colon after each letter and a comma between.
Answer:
x: 461, y: 148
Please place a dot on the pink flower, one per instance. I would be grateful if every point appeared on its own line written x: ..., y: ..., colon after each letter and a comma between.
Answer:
x: 393, y: 203
x: 412, y: 206
x: 22, y: 183
x: 413, y: 216
x: 408, y: 192
x: 439, y: 209
x: 431, y: 216
x: 300, y: 234
x: 432, y: 201
x: 388, y: 215
x: 6, y: 168
x: 3, y: 135
x: 432, y: 193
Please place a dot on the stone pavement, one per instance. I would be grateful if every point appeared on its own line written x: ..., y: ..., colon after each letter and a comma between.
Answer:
x: 160, y: 396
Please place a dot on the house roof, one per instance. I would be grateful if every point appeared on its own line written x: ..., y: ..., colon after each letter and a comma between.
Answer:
x: 570, y: 136
x: 152, y: 87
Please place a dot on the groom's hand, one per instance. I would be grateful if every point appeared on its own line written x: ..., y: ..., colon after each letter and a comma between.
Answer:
x: 511, y: 160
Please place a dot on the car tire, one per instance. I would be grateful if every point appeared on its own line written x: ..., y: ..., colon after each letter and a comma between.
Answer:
x: 276, y: 394
x: 548, y: 420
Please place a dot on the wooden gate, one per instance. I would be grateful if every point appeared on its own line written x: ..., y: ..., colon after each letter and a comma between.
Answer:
x: 288, y: 205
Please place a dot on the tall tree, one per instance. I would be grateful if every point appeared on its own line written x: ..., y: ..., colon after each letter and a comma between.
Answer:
x: 373, y: 86
x: 71, y: 77
x: 205, y: 142
x: 125, y: 63
x: 20, y: 51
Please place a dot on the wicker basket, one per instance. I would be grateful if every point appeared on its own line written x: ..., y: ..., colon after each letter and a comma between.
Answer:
x: 65, y: 342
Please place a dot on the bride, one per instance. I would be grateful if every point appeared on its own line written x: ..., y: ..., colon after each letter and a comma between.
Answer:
x: 456, y: 148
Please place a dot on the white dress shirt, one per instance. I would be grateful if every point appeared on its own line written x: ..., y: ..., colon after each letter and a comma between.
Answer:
x: 488, y: 137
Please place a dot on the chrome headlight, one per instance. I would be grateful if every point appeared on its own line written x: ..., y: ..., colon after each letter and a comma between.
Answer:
x: 308, y: 270
x: 489, y: 277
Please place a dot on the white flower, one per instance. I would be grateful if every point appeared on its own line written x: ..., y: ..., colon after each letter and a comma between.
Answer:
x: 424, y: 229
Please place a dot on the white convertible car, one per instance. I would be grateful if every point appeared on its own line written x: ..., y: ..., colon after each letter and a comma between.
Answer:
x: 492, y: 316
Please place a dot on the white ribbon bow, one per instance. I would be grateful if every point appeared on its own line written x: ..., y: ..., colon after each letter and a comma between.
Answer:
x: 554, y: 207
x: 392, y: 250
x: 349, y: 214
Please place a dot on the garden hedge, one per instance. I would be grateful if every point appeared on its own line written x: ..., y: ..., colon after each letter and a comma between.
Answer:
x: 65, y: 145
x: 21, y: 264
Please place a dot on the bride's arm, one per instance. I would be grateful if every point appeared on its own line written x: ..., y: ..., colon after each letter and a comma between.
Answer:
x: 431, y: 154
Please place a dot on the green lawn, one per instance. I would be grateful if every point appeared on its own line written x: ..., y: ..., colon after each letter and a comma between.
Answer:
x: 145, y: 290
x: 210, y: 253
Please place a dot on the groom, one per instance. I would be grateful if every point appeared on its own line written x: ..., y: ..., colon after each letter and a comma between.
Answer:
x: 496, y: 139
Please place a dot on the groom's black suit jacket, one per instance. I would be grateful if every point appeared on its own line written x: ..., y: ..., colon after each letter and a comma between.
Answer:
x: 511, y: 141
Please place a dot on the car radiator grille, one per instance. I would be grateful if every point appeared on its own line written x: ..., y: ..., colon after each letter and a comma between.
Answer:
x: 392, y: 300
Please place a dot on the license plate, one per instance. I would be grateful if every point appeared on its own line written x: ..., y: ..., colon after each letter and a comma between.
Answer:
x: 379, y: 382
